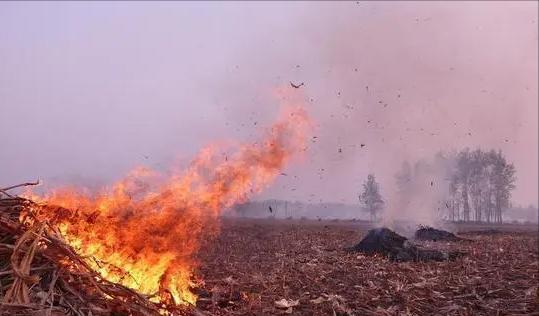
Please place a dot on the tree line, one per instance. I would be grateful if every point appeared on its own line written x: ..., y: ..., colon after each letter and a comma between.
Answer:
x: 472, y: 185
x: 480, y: 186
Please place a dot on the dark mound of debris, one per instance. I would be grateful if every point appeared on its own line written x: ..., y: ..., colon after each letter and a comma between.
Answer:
x: 433, y: 234
x: 390, y: 244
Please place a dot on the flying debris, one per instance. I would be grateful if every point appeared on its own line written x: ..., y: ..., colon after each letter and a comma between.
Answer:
x: 297, y: 86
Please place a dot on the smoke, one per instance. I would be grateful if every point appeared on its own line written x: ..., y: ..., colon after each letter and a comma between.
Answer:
x: 106, y: 87
x: 394, y: 82
x: 422, y: 192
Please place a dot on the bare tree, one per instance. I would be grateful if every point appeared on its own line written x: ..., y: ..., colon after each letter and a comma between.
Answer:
x: 461, y: 180
x: 370, y: 199
x: 503, y: 182
x: 484, y: 178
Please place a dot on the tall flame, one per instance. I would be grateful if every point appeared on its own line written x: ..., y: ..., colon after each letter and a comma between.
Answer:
x: 146, y: 236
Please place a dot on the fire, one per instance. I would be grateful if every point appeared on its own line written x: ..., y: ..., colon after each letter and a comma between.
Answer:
x: 145, y: 235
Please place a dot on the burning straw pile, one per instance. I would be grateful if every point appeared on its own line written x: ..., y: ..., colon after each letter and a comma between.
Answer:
x: 42, y: 275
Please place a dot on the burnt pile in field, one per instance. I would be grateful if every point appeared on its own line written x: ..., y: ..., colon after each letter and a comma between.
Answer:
x: 433, y: 234
x: 386, y: 242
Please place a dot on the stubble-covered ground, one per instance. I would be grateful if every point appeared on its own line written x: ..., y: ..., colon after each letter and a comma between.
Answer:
x: 302, y: 264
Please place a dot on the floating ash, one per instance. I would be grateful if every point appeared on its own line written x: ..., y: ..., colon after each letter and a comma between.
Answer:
x: 386, y: 242
x: 433, y: 234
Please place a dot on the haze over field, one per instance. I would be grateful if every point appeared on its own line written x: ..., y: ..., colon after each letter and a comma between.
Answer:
x: 90, y: 90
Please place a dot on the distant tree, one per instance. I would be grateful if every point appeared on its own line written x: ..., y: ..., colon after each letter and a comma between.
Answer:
x: 371, y: 199
x: 503, y: 182
x: 486, y: 180
x: 444, y: 166
x: 461, y: 179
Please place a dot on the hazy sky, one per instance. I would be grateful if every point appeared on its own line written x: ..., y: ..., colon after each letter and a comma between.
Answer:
x: 90, y: 90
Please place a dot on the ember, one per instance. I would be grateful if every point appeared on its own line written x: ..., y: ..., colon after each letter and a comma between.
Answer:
x: 386, y: 242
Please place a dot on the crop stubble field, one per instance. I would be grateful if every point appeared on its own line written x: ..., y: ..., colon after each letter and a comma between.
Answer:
x: 256, y: 262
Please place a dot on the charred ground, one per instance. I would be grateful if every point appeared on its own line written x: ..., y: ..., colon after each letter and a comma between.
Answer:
x: 257, y: 262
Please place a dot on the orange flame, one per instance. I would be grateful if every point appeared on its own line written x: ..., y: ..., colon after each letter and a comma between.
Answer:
x: 146, y: 237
